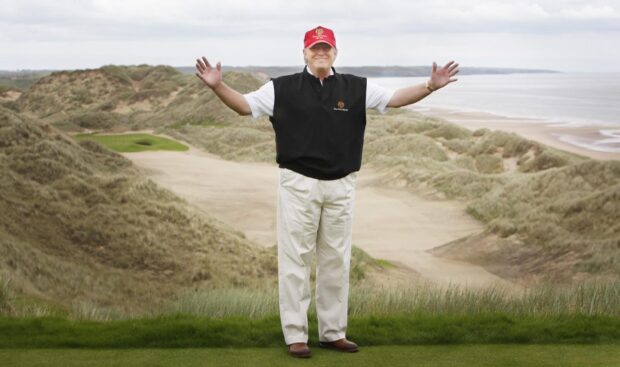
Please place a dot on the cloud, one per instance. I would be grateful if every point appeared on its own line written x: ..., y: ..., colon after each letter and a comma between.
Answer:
x: 589, y: 12
x: 31, y: 20
x: 242, y: 27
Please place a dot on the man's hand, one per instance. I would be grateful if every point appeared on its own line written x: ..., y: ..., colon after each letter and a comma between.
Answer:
x: 440, y: 78
x: 212, y: 77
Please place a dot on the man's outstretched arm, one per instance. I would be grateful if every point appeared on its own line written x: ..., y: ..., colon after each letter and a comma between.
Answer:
x: 439, y: 79
x: 212, y: 77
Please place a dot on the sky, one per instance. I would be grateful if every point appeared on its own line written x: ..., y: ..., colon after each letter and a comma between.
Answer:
x: 563, y: 35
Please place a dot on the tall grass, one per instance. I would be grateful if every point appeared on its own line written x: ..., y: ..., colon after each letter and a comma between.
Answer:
x: 583, y: 313
x: 15, y: 306
x: 590, y: 297
x: 221, y: 303
x: 587, y: 297
x: 5, y: 295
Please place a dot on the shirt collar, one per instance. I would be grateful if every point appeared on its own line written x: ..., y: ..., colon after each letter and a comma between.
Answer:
x: 331, y: 71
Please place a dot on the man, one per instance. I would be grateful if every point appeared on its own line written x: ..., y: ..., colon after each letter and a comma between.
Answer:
x: 319, y: 117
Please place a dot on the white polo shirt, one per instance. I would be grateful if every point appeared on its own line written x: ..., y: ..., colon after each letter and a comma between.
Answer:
x: 261, y: 101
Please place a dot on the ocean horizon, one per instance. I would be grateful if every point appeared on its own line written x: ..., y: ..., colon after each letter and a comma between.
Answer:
x: 563, y: 99
x: 571, y: 98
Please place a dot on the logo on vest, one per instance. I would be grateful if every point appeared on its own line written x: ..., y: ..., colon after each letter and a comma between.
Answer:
x: 340, y: 107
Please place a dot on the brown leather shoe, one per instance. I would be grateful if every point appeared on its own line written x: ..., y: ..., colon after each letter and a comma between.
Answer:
x: 342, y: 345
x: 299, y: 350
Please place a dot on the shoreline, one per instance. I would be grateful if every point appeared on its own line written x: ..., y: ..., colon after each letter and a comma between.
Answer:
x: 574, y: 138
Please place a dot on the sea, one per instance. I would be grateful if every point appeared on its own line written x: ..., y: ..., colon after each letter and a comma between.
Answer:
x: 570, y: 99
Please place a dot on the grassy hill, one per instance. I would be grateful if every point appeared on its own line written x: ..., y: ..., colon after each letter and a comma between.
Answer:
x: 548, y: 213
x: 79, y: 224
x: 20, y: 80
x: 100, y: 98
x: 83, y: 231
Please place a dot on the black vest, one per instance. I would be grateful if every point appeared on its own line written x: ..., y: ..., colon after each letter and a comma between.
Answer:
x: 319, y: 129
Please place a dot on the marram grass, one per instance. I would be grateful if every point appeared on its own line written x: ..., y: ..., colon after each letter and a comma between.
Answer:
x: 544, y: 299
x: 587, y: 312
x: 591, y: 297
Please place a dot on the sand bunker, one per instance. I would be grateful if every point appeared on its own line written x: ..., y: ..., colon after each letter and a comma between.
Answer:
x: 390, y: 224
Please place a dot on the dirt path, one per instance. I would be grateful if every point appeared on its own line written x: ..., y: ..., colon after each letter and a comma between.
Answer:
x: 390, y: 224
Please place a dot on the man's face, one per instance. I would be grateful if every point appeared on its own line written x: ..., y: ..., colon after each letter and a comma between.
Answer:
x: 320, y: 56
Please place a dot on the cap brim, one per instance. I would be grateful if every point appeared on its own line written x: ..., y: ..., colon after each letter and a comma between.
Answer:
x: 320, y: 41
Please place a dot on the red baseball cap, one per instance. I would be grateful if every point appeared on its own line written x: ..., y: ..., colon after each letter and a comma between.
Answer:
x: 319, y: 35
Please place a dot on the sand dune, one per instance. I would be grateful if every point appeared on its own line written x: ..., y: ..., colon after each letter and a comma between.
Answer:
x: 390, y: 224
x: 558, y: 135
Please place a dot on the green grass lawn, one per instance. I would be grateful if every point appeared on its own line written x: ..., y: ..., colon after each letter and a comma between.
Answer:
x: 495, y: 355
x: 184, y: 331
x: 126, y: 143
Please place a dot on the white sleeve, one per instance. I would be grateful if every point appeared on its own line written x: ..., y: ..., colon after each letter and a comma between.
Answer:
x: 377, y: 97
x: 261, y: 100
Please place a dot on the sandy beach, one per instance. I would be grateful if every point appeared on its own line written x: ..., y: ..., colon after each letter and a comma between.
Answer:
x: 574, y: 138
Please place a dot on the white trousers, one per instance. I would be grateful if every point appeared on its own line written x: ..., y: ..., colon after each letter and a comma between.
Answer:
x: 314, y: 214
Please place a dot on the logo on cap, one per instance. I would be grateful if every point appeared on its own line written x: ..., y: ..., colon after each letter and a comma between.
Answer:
x: 318, y: 35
